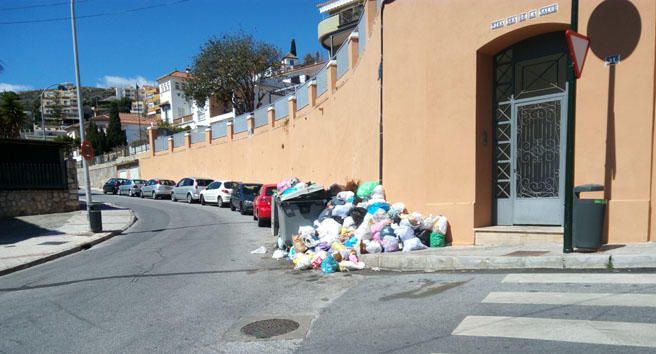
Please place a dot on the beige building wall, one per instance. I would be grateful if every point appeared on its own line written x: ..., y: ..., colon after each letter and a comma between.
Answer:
x: 437, y: 114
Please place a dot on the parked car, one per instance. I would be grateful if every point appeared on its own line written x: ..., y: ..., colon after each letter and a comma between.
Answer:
x: 217, y: 192
x: 189, y: 189
x: 112, y: 184
x: 131, y: 187
x: 242, y: 197
x: 157, y: 188
x: 262, y: 204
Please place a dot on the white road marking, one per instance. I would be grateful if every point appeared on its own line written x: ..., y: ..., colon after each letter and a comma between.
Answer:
x: 581, y: 278
x: 573, y: 331
x: 580, y: 299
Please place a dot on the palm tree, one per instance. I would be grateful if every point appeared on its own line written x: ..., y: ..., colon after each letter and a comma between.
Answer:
x: 12, y: 116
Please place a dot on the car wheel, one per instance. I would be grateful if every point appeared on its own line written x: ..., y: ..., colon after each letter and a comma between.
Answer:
x: 141, y: 195
x: 261, y: 222
x: 153, y: 195
x: 202, y: 200
x: 189, y: 199
x: 219, y: 202
x: 173, y: 197
x: 130, y: 193
x: 241, y: 209
x: 232, y: 207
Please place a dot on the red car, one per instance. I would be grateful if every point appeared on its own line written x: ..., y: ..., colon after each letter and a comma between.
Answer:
x: 262, y: 204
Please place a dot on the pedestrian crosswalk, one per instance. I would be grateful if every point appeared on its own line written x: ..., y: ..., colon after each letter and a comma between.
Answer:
x: 623, y: 296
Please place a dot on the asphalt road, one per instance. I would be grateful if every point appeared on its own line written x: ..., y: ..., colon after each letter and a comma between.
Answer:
x: 182, y: 279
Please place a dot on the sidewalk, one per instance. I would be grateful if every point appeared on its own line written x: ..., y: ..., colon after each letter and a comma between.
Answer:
x: 26, y: 241
x: 541, y: 256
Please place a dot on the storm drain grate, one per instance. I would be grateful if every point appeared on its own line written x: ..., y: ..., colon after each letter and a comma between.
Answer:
x: 269, y: 328
x: 52, y: 243
x: 526, y: 253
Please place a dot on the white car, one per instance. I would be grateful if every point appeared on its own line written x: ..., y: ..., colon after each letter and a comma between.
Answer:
x: 217, y: 192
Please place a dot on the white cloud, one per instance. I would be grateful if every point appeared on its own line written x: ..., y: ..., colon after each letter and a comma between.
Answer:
x: 119, y: 81
x: 11, y: 87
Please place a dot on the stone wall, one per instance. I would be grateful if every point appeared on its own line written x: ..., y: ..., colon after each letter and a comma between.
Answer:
x: 42, y: 201
x: 100, y: 173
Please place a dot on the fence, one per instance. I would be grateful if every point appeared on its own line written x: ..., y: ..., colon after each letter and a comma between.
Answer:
x: 261, y: 116
x: 161, y: 143
x: 197, y: 135
x: 133, y: 150
x: 178, y: 139
x: 322, y: 81
x: 282, y: 107
x: 32, y: 165
x: 219, y: 129
x: 240, y: 124
x: 342, y: 60
x: 362, y: 35
x: 302, y: 95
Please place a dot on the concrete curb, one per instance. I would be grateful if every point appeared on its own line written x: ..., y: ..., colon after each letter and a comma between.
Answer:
x: 431, y: 263
x: 84, y: 246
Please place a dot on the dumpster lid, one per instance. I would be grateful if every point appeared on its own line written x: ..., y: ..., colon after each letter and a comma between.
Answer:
x: 313, y: 188
x: 588, y: 188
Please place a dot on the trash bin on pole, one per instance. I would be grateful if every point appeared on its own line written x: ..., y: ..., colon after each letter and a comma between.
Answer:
x: 95, y: 217
x: 298, y: 208
x: 588, y: 215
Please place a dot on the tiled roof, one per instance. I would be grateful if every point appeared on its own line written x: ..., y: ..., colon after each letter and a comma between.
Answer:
x: 175, y: 73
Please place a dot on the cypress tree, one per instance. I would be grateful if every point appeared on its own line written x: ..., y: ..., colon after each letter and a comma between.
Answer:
x: 114, y: 134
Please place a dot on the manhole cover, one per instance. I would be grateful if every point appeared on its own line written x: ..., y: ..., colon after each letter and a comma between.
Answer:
x: 269, y: 328
x: 53, y: 243
x: 526, y: 253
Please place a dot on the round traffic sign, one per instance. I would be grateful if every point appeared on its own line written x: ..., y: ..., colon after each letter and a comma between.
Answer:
x: 86, y: 149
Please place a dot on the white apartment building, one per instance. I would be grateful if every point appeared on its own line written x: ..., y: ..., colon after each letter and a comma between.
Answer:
x: 173, y: 103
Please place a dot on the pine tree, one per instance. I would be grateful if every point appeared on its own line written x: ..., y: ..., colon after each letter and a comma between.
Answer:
x: 114, y: 135
x: 94, y: 137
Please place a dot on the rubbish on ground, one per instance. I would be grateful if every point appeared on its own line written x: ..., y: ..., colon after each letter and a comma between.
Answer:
x: 329, y: 264
x: 436, y: 239
x: 260, y: 250
x: 279, y: 254
x: 352, y: 224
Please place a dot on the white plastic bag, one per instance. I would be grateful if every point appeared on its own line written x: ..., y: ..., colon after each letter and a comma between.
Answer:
x: 328, y: 230
x: 390, y: 244
x: 373, y: 247
x: 441, y: 225
x: 279, y: 254
x: 413, y: 244
x: 345, y: 266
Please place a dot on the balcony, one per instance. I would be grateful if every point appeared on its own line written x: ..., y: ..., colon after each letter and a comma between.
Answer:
x: 334, y: 30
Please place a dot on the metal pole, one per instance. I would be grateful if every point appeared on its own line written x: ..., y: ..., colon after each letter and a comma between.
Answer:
x: 43, y: 118
x: 85, y: 164
x: 569, y: 151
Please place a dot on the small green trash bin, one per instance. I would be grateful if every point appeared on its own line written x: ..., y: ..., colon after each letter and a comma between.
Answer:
x: 95, y: 217
x: 588, y: 218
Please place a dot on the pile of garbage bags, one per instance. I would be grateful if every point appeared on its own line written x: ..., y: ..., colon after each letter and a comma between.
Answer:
x: 356, y: 223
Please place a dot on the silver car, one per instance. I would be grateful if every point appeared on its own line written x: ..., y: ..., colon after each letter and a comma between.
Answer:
x: 131, y: 187
x: 189, y: 189
x: 157, y: 188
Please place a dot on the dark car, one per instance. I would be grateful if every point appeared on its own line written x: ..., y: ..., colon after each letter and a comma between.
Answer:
x: 242, y: 197
x: 112, y: 184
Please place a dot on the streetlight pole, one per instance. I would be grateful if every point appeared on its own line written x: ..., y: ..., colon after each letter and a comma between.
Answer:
x: 80, y: 114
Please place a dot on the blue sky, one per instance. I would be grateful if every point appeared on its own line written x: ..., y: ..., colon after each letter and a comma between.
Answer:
x: 123, y: 46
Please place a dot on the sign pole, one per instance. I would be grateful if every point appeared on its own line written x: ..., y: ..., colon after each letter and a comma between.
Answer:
x: 569, y: 149
x: 85, y: 163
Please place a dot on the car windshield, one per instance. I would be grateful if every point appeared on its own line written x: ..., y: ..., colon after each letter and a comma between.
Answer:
x: 140, y: 181
x: 167, y: 182
x: 251, y: 189
x: 229, y: 185
x: 269, y: 191
x: 203, y: 182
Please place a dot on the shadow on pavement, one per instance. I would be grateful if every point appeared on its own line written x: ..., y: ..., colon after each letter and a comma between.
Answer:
x: 14, y: 230
x: 134, y: 276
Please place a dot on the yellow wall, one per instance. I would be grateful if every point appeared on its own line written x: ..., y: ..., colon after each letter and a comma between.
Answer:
x: 438, y: 128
